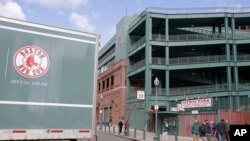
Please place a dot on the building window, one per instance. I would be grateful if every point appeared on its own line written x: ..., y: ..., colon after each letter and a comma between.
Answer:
x: 99, y: 86
x: 107, y: 83
x: 103, y: 84
x: 112, y: 80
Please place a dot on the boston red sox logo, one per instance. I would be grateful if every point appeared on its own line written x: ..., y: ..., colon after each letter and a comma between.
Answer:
x: 31, y: 61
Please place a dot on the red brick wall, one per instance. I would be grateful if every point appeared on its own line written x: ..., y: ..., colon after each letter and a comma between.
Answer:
x: 114, y: 95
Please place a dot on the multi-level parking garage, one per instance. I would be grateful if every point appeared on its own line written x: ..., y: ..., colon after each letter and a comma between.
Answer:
x: 194, y: 54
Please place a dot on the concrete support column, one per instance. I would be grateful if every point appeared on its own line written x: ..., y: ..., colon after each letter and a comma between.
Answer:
x: 226, y: 26
x: 148, y: 60
x: 167, y: 28
x: 236, y: 74
x: 148, y: 55
x: 148, y: 28
x: 128, y: 48
x: 167, y: 90
x: 127, y: 97
x: 229, y: 78
x: 213, y: 28
x: 219, y: 28
x: 167, y: 78
x: 236, y: 77
x: 233, y: 27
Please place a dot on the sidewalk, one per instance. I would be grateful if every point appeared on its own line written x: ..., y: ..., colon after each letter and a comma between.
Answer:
x: 138, y: 135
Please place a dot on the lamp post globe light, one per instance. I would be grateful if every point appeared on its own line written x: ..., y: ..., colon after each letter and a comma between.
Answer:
x: 156, y: 83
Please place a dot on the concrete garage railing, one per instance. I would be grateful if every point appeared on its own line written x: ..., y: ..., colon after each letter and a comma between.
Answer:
x: 198, y: 89
x: 137, y: 43
x: 198, y: 59
x: 137, y: 65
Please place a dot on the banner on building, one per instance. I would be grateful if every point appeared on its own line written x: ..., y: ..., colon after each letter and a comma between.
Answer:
x: 196, y: 103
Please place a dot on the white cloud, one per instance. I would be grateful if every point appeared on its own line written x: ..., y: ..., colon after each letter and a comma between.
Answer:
x: 82, y: 22
x: 9, y: 8
x: 60, y: 3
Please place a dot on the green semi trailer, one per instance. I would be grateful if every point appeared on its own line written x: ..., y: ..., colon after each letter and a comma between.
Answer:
x: 47, y: 82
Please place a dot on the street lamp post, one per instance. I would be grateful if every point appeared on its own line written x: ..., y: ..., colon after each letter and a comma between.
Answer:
x: 156, y: 83
x: 101, y: 111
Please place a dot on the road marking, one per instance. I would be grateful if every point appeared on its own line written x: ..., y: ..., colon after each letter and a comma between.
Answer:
x: 7, y: 60
x: 46, y: 104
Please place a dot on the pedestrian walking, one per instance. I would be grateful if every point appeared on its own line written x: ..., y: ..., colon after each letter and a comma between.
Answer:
x: 207, y: 130
x: 227, y: 130
x: 110, y: 121
x: 195, y: 131
x: 120, y: 124
x: 221, y: 130
x: 213, y: 130
x: 126, y: 127
x: 202, y: 130
x: 165, y: 130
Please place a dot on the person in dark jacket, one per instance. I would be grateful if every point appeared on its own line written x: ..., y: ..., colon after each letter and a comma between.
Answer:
x: 165, y: 129
x: 207, y: 130
x: 213, y: 130
x: 126, y: 129
x: 202, y: 131
x: 221, y: 130
x: 120, y: 124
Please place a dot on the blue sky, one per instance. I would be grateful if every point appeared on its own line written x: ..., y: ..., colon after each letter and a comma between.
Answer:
x: 95, y: 16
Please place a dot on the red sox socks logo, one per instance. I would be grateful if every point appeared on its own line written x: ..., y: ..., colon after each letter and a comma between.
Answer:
x: 31, y: 61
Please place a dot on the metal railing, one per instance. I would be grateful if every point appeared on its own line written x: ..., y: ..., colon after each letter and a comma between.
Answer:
x: 106, y: 55
x: 197, y: 29
x: 133, y: 92
x: 243, y: 58
x: 197, y: 10
x: 189, y: 11
x: 198, y: 59
x: 204, y: 31
x: 138, y: 43
x: 199, y: 89
x: 242, y: 36
x: 160, y: 91
x: 137, y: 65
x: 188, y: 37
x: 244, y: 86
x: 194, y: 37
x: 192, y: 90
x: 158, y: 37
x: 158, y: 61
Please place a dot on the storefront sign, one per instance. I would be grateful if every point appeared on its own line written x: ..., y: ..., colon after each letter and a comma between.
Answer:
x: 195, y: 103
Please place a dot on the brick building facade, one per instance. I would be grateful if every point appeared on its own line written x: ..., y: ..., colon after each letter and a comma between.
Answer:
x: 111, y: 93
